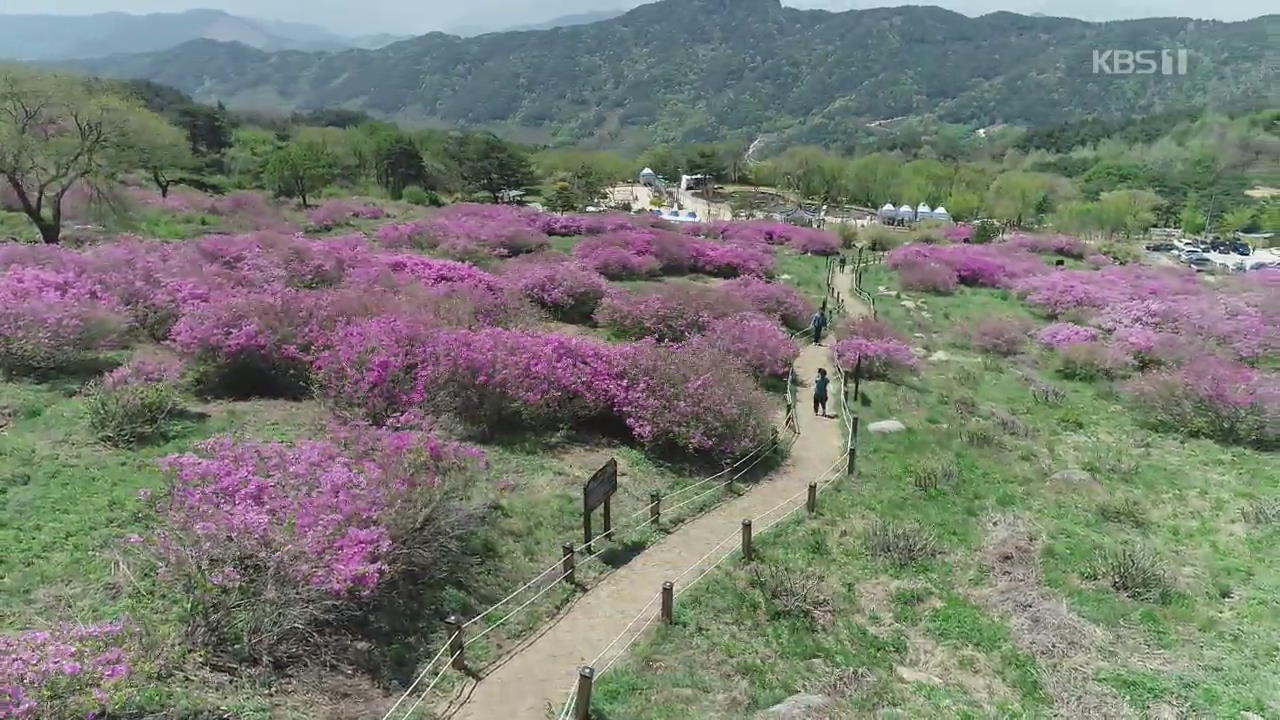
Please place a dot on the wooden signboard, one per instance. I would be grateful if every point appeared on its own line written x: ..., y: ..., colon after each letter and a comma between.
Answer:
x: 596, y: 492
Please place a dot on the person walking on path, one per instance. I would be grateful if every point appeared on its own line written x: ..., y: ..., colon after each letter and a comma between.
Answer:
x: 819, y: 323
x: 820, y: 393
x: 843, y: 262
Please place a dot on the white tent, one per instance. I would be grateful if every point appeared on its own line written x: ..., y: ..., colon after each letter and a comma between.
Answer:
x: 924, y: 212
x: 940, y: 213
x: 906, y: 213
x: 648, y: 177
x: 888, y: 212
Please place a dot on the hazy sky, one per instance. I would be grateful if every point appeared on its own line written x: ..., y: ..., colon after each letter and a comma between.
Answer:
x: 416, y: 16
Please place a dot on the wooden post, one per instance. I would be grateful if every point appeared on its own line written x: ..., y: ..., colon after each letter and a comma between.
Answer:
x: 582, y: 708
x: 853, y: 448
x: 746, y: 540
x: 655, y: 508
x: 568, y: 566
x: 586, y: 527
x: 459, y: 661
x: 812, y: 501
x: 668, y: 603
x: 608, y: 520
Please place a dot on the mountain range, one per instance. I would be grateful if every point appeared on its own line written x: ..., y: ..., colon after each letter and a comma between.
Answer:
x: 66, y: 37
x: 691, y: 70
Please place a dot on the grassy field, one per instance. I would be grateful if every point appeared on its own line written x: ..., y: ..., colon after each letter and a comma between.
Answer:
x: 965, y: 574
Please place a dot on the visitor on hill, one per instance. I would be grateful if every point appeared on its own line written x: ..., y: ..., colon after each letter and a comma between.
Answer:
x: 843, y: 262
x: 819, y: 323
x: 820, y: 393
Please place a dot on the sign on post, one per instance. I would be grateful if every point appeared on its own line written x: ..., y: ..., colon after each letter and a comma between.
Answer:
x: 596, y: 492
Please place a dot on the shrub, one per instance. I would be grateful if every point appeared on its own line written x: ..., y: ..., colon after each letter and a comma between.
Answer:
x: 569, y: 291
x: 1064, y: 334
x: 52, y: 321
x: 64, y: 672
x: 1126, y: 511
x: 1003, y: 335
x: 756, y: 341
x: 934, y: 474
x: 1062, y: 245
x: 275, y: 542
x: 248, y: 344
x: 783, y: 302
x: 1091, y: 361
x: 928, y: 277
x: 1212, y: 398
x: 998, y: 266
x: 1133, y: 572
x: 1261, y: 512
x: 617, y: 263
x: 669, y: 313
x: 792, y: 593
x: 698, y: 406
x: 902, y: 545
x: 415, y: 195
x: 129, y: 414
x: 876, y: 358
x: 722, y: 260
x: 144, y: 369
x: 333, y: 213
x: 881, y: 239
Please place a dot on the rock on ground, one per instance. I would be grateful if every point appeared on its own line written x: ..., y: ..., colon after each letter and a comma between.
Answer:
x: 885, y: 427
x: 802, y: 706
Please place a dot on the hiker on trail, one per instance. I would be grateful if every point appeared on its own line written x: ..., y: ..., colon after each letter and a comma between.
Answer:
x: 843, y: 262
x: 819, y: 323
x: 820, y: 393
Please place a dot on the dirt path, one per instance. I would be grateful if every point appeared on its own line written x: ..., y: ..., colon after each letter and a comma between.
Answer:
x: 543, y: 671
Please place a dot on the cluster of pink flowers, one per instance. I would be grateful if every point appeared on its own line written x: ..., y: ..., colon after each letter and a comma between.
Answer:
x: 756, y: 341
x: 144, y: 370
x: 958, y: 233
x: 998, y: 266
x: 1213, y: 398
x: 53, y: 318
x: 928, y: 276
x: 473, y: 231
x: 777, y: 300
x: 768, y: 232
x: 568, y: 290
x: 1062, y: 334
x: 62, y: 672
x: 333, y: 213
x: 1006, y: 335
x: 875, y: 350
x: 641, y: 252
x: 1063, y: 245
x: 668, y: 312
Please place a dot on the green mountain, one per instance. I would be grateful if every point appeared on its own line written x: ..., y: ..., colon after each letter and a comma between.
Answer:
x: 692, y: 70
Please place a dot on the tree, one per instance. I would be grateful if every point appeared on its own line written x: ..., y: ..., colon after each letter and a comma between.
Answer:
x: 489, y: 165
x: 208, y: 129
x: 397, y: 164
x: 1127, y: 211
x: 56, y: 133
x: 299, y: 170
x: 562, y: 197
x: 1015, y: 196
x: 1236, y: 220
x: 163, y: 151
x: 1192, y: 219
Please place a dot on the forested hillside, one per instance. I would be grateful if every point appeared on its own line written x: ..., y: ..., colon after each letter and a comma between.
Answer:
x: 694, y: 70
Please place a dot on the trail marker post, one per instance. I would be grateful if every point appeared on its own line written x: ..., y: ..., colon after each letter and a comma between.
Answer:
x: 668, y: 603
x: 596, y: 492
x: 586, y: 678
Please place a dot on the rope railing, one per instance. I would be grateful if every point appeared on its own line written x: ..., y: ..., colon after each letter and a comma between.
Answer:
x: 824, y: 480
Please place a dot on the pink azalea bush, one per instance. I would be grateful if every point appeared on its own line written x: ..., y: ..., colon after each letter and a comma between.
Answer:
x: 333, y: 213
x: 1062, y: 334
x: 1212, y: 398
x: 928, y: 277
x: 755, y: 340
x: 53, y: 319
x: 699, y: 405
x: 1062, y: 245
x: 63, y: 672
x: 273, y: 541
x: 668, y: 313
x: 1000, y: 335
x: 144, y: 370
x: 777, y: 300
x: 998, y: 266
x: 471, y: 230
x: 1092, y: 360
x: 874, y: 350
x: 570, y: 291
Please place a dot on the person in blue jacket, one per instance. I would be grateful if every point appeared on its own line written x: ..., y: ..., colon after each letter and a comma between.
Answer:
x: 820, y: 393
x: 819, y: 323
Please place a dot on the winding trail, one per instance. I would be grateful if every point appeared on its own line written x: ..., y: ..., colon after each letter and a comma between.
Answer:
x: 541, y: 673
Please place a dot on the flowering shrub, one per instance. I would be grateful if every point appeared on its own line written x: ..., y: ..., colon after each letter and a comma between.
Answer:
x: 52, y: 320
x: 756, y: 341
x: 722, y: 260
x: 251, y: 344
x: 1098, y: 261
x: 143, y: 370
x: 616, y: 263
x: 668, y: 313
x: 64, y: 672
x: 1002, y: 335
x: 1062, y: 334
x: 333, y: 213
x: 275, y: 541
x: 783, y: 302
x: 470, y: 230
x: 881, y: 351
x: 1088, y: 361
x: 569, y: 291
x: 1212, y: 398
x: 960, y: 233
x: 1063, y: 245
x: 927, y: 277
x: 998, y: 266
x: 815, y: 242
x: 699, y: 405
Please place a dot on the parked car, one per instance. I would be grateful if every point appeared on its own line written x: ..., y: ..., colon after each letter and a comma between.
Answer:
x: 1201, y: 262
x: 1240, y: 248
x: 1162, y: 247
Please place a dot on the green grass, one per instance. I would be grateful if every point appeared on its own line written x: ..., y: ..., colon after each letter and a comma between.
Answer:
x: 1209, y: 649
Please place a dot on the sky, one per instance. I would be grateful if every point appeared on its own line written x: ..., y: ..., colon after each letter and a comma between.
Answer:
x: 418, y: 16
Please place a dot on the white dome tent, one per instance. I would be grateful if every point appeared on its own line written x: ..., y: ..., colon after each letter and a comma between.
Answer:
x: 906, y: 214
x: 924, y: 212
x: 940, y: 213
x: 888, y: 213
